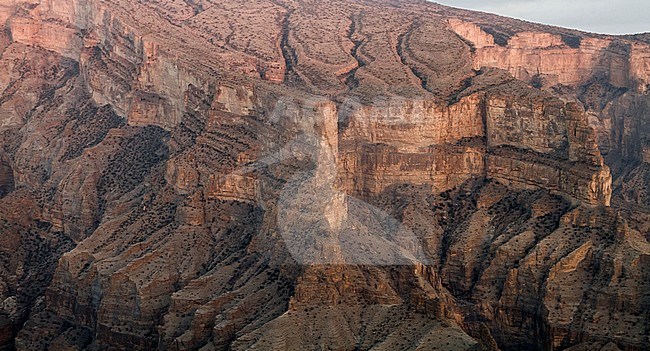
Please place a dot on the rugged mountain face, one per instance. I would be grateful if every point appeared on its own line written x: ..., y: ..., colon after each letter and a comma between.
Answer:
x: 289, y: 175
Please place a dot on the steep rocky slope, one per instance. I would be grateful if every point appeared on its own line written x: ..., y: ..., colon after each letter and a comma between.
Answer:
x: 293, y: 174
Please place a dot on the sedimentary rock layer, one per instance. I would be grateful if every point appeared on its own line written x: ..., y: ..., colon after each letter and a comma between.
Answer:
x: 304, y: 174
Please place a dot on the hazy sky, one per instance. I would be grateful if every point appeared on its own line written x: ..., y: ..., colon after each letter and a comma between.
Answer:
x: 601, y: 16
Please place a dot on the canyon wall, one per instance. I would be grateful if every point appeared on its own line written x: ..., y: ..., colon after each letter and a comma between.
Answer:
x: 531, y: 142
x: 557, y: 59
x: 263, y: 175
x: 160, y: 85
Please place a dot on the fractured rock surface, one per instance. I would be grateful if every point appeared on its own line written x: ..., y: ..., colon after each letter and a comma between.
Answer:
x: 304, y: 175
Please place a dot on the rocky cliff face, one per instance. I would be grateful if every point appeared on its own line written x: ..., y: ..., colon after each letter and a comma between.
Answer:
x: 303, y: 174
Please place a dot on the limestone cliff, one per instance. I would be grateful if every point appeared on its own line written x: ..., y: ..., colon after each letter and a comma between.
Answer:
x: 304, y: 174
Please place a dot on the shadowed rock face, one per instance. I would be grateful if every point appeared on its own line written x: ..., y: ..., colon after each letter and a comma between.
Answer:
x: 289, y: 175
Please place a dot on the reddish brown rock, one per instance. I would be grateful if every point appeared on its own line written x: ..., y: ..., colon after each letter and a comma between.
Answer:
x: 309, y: 174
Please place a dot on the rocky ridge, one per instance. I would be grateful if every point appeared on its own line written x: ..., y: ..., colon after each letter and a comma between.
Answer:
x: 448, y: 171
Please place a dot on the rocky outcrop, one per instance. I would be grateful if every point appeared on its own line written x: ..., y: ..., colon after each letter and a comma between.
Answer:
x: 560, y: 58
x: 415, y: 142
x: 546, y: 144
x: 509, y: 253
x: 300, y: 174
x: 46, y: 34
x: 515, y: 138
x: 590, y: 184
